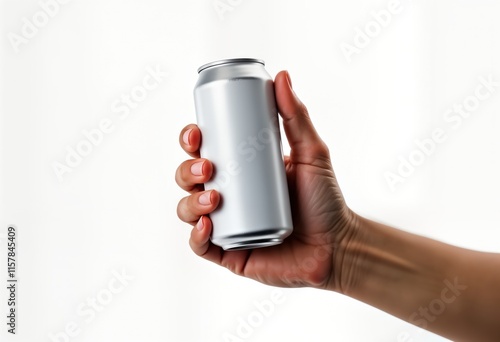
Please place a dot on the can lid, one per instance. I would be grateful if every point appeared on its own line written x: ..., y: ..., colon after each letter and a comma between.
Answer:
x: 230, y: 61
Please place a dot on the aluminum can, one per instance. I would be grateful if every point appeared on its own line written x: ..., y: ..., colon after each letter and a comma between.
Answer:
x: 236, y: 113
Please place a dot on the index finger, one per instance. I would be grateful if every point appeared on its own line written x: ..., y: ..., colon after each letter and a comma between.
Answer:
x: 190, y: 140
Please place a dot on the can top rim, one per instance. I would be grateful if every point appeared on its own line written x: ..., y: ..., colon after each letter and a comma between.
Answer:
x: 230, y: 61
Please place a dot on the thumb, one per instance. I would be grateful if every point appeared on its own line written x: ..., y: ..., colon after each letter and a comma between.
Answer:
x: 304, y: 141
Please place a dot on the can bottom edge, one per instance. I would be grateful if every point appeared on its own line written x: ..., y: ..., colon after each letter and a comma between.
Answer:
x: 258, y: 239
x: 252, y: 244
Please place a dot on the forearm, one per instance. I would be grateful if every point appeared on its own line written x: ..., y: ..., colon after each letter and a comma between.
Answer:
x: 445, y: 289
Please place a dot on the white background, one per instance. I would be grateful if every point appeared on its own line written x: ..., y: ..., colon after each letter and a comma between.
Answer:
x: 116, y: 210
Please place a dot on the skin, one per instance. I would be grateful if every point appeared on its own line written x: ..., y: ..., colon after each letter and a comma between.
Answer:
x: 451, y: 291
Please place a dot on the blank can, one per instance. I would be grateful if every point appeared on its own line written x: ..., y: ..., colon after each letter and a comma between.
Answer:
x: 236, y: 113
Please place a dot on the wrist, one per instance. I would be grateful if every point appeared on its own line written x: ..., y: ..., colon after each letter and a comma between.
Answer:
x: 346, y: 254
x: 369, y: 256
x: 390, y: 269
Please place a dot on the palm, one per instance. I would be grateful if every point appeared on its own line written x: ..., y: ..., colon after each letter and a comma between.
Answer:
x: 304, y: 258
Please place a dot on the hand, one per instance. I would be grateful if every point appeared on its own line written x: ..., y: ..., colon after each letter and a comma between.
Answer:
x: 333, y: 248
x: 311, y: 256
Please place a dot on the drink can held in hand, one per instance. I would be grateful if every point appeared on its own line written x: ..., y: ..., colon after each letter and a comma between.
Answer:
x: 237, y: 116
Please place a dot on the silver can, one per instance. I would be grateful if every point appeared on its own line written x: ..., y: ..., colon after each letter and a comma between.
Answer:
x: 236, y: 113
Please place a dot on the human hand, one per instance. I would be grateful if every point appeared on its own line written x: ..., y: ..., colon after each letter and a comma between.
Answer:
x: 312, y: 255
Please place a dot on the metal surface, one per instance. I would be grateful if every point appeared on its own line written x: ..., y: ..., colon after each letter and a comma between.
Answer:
x: 230, y: 61
x: 236, y: 112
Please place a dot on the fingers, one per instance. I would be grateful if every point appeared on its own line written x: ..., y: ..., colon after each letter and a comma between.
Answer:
x: 300, y: 132
x: 200, y: 241
x: 201, y: 245
x: 190, y: 208
x: 191, y: 174
x: 190, y: 140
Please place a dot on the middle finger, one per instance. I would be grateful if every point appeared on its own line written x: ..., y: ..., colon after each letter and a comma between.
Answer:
x: 193, y: 173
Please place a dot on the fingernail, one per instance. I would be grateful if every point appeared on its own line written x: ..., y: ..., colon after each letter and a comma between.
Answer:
x: 185, y: 136
x: 199, y: 224
x: 197, y: 169
x: 204, y: 199
x: 289, y: 80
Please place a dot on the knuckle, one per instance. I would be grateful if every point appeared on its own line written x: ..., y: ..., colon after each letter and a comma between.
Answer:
x: 319, y: 149
x: 183, y: 175
x: 320, y: 154
x: 303, y: 110
x: 187, y: 210
x: 181, y: 208
x: 323, y: 148
x: 194, y: 245
x: 178, y: 175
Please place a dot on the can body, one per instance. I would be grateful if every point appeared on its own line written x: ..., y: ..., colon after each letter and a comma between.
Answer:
x: 236, y: 113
